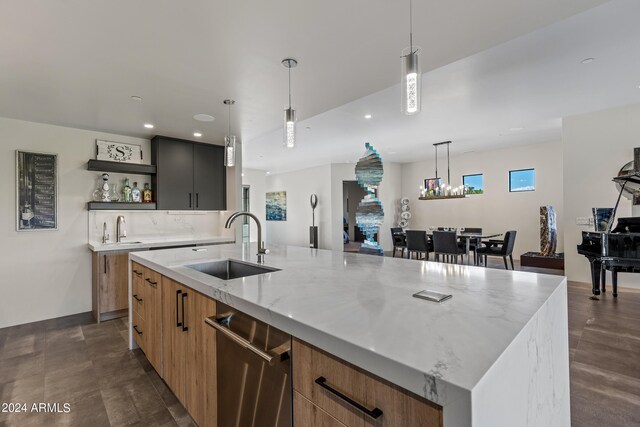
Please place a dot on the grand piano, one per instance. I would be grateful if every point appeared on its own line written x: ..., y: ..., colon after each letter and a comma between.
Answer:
x: 616, y: 249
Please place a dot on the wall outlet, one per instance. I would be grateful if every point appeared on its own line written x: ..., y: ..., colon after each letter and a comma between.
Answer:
x: 584, y: 220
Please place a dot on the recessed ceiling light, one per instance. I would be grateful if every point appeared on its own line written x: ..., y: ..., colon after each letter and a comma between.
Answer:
x: 242, y: 174
x: 148, y: 125
x: 136, y: 98
x: 516, y: 128
x: 268, y: 173
x: 367, y: 116
x: 204, y: 118
x: 197, y: 134
x: 587, y: 60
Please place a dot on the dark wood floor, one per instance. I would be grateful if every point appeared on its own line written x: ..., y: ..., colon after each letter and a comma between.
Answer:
x: 88, y: 365
x: 74, y: 360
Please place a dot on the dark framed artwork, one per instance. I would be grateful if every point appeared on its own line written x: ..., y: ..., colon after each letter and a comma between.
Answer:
x: 36, y: 191
x: 432, y: 183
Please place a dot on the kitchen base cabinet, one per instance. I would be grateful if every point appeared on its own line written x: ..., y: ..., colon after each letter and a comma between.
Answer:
x: 354, y: 397
x: 110, y: 285
x: 189, y: 350
x: 306, y: 413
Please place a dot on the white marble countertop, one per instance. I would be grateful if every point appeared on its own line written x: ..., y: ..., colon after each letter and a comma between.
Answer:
x: 133, y: 243
x: 360, y: 308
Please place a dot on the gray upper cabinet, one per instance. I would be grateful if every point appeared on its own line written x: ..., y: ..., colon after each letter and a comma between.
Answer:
x: 190, y: 175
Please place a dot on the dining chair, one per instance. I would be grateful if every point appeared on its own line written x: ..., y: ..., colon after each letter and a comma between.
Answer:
x: 446, y: 243
x: 418, y: 243
x: 399, y: 240
x: 474, y: 243
x: 502, y: 248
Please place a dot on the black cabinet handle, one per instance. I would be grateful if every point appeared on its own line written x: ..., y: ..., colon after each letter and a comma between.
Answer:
x: 154, y: 284
x: 374, y: 413
x: 184, y: 323
x: 135, y: 327
x: 178, y: 322
x: 137, y: 273
x: 105, y: 264
x: 197, y: 200
x: 189, y: 199
x: 136, y: 298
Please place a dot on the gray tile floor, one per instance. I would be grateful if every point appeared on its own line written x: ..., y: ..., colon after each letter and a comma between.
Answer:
x: 87, y: 365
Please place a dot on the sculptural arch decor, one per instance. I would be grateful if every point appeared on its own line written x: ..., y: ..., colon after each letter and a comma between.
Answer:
x: 369, y: 213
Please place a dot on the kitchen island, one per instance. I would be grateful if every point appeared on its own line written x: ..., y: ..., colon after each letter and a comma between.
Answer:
x: 495, y: 354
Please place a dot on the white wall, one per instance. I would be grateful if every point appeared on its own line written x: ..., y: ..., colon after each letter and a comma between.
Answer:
x: 47, y: 274
x: 497, y: 210
x: 299, y: 186
x: 596, y: 146
x: 257, y: 180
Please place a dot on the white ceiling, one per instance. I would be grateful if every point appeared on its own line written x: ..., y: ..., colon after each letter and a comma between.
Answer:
x: 530, y: 82
x: 76, y: 63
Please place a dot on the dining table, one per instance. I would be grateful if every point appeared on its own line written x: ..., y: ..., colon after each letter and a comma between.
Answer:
x: 468, y: 237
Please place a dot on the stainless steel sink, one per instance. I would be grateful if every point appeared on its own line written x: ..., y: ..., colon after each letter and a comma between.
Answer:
x: 227, y: 269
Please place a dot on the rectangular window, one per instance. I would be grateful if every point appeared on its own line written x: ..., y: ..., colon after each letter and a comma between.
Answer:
x: 522, y: 180
x: 474, y: 182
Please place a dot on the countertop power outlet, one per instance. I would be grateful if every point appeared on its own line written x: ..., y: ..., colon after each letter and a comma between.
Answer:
x: 584, y: 220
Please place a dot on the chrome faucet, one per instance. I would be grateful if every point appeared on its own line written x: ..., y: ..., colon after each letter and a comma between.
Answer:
x: 120, y: 231
x: 105, y: 236
x: 261, y: 250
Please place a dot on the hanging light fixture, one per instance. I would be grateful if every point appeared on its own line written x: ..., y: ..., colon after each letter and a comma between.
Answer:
x: 435, y: 189
x: 229, y: 140
x: 411, y: 76
x: 289, y: 112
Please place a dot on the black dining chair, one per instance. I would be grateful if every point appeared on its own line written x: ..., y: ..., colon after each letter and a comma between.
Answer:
x: 446, y: 243
x: 399, y: 240
x: 474, y: 244
x: 418, y: 243
x: 500, y: 248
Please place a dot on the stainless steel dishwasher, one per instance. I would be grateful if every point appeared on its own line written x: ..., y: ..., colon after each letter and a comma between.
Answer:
x: 254, y: 371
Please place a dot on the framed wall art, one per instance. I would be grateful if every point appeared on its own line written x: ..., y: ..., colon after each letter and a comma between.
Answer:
x: 118, y: 152
x: 36, y: 191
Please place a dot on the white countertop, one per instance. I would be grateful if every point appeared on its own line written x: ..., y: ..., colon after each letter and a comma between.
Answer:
x: 360, y: 308
x: 146, y: 243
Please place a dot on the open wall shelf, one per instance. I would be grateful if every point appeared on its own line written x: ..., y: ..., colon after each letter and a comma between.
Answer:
x: 120, y: 206
x: 119, y: 167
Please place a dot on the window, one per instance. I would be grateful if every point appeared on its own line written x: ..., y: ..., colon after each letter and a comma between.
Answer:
x: 522, y: 180
x: 474, y: 182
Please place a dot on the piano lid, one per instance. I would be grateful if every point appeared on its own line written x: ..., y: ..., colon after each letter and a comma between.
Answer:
x: 627, y: 225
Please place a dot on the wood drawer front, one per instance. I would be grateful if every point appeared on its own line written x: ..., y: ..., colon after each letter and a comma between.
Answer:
x: 151, y: 278
x: 306, y: 413
x: 399, y: 407
x: 310, y: 364
x: 137, y: 289
x: 139, y: 331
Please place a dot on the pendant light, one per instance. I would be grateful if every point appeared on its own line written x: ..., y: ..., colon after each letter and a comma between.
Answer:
x: 289, y: 112
x: 411, y: 76
x: 229, y: 140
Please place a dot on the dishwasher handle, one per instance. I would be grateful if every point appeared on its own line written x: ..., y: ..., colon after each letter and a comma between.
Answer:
x: 272, y: 357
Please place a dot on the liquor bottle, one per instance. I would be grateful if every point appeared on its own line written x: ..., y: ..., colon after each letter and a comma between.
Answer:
x: 146, y: 193
x: 126, y: 191
x: 136, y: 197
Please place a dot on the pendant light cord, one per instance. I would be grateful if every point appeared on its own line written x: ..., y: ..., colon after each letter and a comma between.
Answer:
x: 289, y: 83
x: 410, y: 26
x: 229, y: 120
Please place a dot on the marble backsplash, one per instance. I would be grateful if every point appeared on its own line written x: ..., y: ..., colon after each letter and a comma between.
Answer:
x: 141, y: 225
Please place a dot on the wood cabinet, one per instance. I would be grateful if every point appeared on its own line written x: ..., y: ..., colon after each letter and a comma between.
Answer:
x: 110, y: 272
x: 189, y: 350
x: 146, y: 301
x: 351, y: 396
x: 190, y: 175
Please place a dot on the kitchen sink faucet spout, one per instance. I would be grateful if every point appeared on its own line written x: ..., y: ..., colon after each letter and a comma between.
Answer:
x: 120, y: 231
x: 261, y: 250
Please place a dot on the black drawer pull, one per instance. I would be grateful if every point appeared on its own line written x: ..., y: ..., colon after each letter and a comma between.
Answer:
x: 178, y: 322
x: 374, y: 413
x: 135, y: 327
x: 135, y: 296
x: 185, y: 328
x: 137, y: 273
x: 154, y: 284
